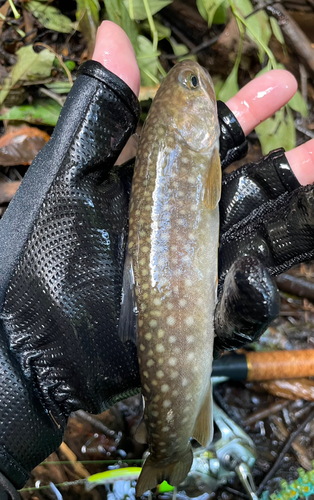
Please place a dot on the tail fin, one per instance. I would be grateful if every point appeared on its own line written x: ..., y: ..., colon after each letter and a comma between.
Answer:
x: 154, y: 473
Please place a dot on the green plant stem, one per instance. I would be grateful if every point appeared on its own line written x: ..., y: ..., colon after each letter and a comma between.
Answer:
x: 15, y: 12
x: 131, y: 9
x: 46, y: 486
x: 92, y: 462
x: 151, y: 24
x: 161, y: 69
x: 150, y: 75
x: 240, y: 18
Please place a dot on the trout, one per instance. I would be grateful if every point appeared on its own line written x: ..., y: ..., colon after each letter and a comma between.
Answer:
x: 170, y: 274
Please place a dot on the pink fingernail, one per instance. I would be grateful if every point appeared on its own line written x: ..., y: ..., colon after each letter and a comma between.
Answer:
x: 262, y: 97
x: 114, y: 50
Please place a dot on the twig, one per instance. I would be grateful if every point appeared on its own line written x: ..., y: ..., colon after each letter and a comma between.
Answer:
x: 97, y: 424
x: 295, y: 286
x: 284, y: 450
x: 49, y: 93
x: 198, y: 48
x: 190, y: 45
x: 60, y: 59
x: 293, y: 35
x: 236, y: 492
x: 300, y: 127
x: 265, y: 412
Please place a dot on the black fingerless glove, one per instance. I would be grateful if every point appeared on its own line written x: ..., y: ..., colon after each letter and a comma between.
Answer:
x: 264, y: 230
x: 62, y: 251
x: 232, y: 142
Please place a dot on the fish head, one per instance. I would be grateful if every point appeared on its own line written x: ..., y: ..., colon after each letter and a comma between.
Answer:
x: 191, y: 105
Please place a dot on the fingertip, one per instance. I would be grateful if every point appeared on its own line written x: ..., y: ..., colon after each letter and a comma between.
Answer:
x: 301, y: 161
x: 284, y: 78
x: 262, y: 97
x: 114, y: 50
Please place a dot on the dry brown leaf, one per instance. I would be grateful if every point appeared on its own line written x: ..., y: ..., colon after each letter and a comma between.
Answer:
x: 8, y: 190
x: 148, y: 92
x: 4, y: 10
x: 71, y: 457
x: 20, y: 146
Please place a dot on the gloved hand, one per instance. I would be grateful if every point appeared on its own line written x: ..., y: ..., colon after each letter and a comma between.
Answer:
x: 267, y: 226
x: 62, y: 248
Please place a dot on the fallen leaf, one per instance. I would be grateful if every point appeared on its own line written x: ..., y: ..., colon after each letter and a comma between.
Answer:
x: 42, y: 112
x: 50, y: 17
x: 3, y: 11
x: 148, y: 92
x: 87, y: 15
x: 30, y: 66
x: 19, y: 147
x: 8, y: 190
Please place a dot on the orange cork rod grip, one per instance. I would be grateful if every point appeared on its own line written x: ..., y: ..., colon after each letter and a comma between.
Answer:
x: 280, y: 364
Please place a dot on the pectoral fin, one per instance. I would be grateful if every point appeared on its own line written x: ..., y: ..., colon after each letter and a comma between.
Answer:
x: 203, y: 430
x: 213, y: 181
x: 127, y: 328
x: 141, y: 433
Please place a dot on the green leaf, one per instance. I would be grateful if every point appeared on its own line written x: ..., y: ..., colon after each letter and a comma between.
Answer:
x: 29, y: 66
x: 42, y: 112
x: 257, y: 22
x: 277, y: 131
x: 59, y: 87
x: 220, y: 16
x: 139, y: 9
x: 163, y: 31
x: 50, y: 17
x: 218, y: 83
x: 70, y: 65
x: 87, y: 15
x: 179, y: 49
x: 118, y: 13
x: 147, y: 59
x: 208, y: 8
x: 277, y: 30
x: 230, y: 87
x: 297, y: 103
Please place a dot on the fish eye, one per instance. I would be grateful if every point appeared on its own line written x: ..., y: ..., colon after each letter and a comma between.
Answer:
x: 189, y: 80
x: 194, y: 81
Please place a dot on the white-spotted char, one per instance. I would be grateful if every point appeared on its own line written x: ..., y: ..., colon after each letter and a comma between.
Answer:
x: 172, y: 258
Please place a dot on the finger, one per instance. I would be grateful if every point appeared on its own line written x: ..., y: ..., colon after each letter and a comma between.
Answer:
x: 262, y: 97
x: 114, y: 50
x: 301, y: 160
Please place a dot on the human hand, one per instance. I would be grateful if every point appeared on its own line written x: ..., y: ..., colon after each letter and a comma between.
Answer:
x: 266, y: 220
x: 62, y: 250
x: 61, y: 244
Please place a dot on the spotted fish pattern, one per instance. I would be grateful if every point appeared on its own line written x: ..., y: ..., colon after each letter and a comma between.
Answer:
x: 172, y: 256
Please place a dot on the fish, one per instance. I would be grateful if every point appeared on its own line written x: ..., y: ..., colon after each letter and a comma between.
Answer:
x: 170, y: 273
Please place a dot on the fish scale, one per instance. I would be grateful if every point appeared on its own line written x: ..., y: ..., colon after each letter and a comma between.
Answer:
x: 172, y: 257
